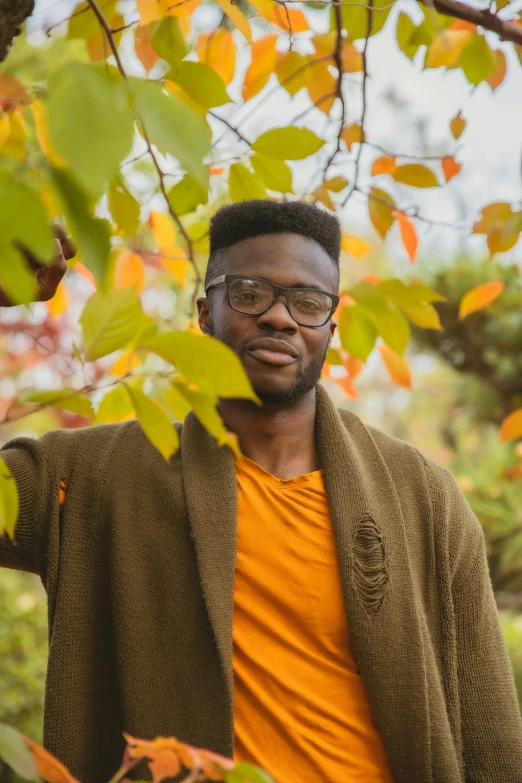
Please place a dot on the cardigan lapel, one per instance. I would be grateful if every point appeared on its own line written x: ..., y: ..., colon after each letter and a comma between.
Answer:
x: 376, y: 576
x: 378, y: 588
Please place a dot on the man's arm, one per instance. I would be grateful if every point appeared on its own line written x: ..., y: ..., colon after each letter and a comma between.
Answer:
x: 490, y: 715
x: 25, y: 457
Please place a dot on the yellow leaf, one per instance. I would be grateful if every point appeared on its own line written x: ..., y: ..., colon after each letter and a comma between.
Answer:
x: 291, y: 63
x: 145, y: 52
x: 381, y: 207
x: 355, y: 246
x: 446, y: 48
x: 386, y: 164
x: 497, y: 76
x: 129, y: 272
x: 162, y: 229
x: 415, y: 174
x: 155, y: 422
x: 450, y: 167
x: 14, y: 144
x: 58, y: 304
x: 397, y: 366
x: 262, y: 65
x: 235, y: 15
x: 335, y: 184
x: 408, y: 234
x: 479, y: 297
x: 263, y: 7
x: 176, y: 268
x: 351, y: 134
x: 288, y: 19
x: 126, y: 362
x: 351, y: 58
x: 154, y: 10
x: 8, y: 500
x: 322, y: 87
x: 321, y: 194
x: 512, y: 426
x: 218, y: 50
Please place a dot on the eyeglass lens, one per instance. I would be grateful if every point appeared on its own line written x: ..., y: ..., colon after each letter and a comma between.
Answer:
x: 307, y: 307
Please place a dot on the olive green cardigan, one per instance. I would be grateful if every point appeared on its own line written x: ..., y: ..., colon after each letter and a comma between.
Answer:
x: 139, y: 569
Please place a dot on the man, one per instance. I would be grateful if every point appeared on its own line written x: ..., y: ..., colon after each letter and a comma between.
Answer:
x: 321, y: 607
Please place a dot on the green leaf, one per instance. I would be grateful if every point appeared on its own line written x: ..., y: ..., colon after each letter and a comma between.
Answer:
x: 123, y: 207
x: 204, y: 361
x: 387, y: 318
x: 275, y: 174
x: 381, y: 215
x: 154, y: 422
x: 168, y: 40
x: 334, y: 357
x: 115, y: 406
x: 355, y: 18
x: 204, y: 85
x: 408, y: 295
x: 416, y: 175
x: 357, y: 332
x: 248, y: 773
x: 8, y: 500
x: 404, y: 34
x: 174, y: 127
x: 15, y: 278
x: 13, y: 750
x: 90, y: 122
x: 110, y: 320
x: 204, y: 406
x: 187, y: 195
x: 288, y: 143
x: 92, y: 234
x: 477, y: 60
x: 244, y: 185
x: 84, y: 23
x: 176, y: 402
x: 23, y: 218
x: 65, y: 399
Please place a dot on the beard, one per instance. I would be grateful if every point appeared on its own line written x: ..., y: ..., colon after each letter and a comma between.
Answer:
x: 305, y: 380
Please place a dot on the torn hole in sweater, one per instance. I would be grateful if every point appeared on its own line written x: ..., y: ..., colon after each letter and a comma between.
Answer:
x: 370, y: 564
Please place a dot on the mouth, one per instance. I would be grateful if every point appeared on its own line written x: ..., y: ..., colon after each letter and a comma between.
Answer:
x: 274, y: 352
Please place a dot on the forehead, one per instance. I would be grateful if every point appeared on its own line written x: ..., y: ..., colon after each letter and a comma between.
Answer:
x: 284, y: 259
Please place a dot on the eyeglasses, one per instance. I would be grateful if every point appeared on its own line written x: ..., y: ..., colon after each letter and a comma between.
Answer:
x: 254, y: 296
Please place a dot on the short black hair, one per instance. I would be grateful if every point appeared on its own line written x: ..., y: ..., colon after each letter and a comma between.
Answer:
x: 246, y: 219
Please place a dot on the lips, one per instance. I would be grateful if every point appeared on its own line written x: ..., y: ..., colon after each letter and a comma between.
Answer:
x: 275, y: 352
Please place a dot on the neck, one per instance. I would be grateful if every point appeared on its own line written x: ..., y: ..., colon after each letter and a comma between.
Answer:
x: 278, y: 436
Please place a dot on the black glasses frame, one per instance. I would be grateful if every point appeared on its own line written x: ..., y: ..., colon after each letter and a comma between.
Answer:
x: 278, y: 291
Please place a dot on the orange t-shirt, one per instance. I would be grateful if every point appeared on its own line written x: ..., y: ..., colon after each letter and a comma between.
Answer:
x: 301, y: 710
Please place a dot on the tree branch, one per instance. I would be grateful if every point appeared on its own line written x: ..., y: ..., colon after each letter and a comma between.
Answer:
x: 12, y: 14
x: 507, y: 31
x: 338, y: 59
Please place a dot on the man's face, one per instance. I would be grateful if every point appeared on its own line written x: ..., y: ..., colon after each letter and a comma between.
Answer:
x: 287, y: 260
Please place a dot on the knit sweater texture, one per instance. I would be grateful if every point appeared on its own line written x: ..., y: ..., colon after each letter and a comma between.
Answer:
x: 138, y: 565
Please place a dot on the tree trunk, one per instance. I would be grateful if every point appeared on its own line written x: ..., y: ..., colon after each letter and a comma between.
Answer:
x: 12, y: 14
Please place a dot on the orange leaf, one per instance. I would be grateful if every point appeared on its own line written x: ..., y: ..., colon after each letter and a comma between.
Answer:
x: 512, y: 426
x: 163, y: 229
x: 48, y: 766
x: 288, y: 19
x: 351, y: 58
x: 373, y: 279
x: 236, y: 16
x: 355, y: 246
x: 218, y: 50
x: 386, y: 164
x: 397, y: 366
x: 154, y: 10
x: 58, y: 304
x: 354, y: 366
x: 496, y: 77
x: 262, y: 65
x: 161, y: 753
x: 346, y: 385
x: 351, y: 134
x: 408, y: 234
x: 457, y: 125
x: 214, y: 170
x: 322, y: 87
x: 126, y: 361
x: 144, y: 51
x: 450, y: 167
x: 479, y: 297
x: 129, y: 272
x: 174, y: 260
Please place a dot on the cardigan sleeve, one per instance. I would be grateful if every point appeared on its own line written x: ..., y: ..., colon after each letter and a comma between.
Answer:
x: 32, y: 464
x: 490, y: 716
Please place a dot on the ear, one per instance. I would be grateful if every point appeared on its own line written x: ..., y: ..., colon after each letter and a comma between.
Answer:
x: 203, y: 314
x: 331, y: 332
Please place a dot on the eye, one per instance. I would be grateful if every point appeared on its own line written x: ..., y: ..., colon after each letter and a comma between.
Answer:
x: 246, y: 296
x: 309, y: 305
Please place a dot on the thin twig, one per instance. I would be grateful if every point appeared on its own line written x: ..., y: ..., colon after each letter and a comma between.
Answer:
x: 338, y: 59
x: 408, y: 211
x: 363, y: 113
x: 229, y: 125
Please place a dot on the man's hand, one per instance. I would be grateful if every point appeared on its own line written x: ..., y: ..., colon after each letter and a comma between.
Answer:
x: 48, y: 276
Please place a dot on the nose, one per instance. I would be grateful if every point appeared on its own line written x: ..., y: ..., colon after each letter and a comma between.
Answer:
x: 277, y: 317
